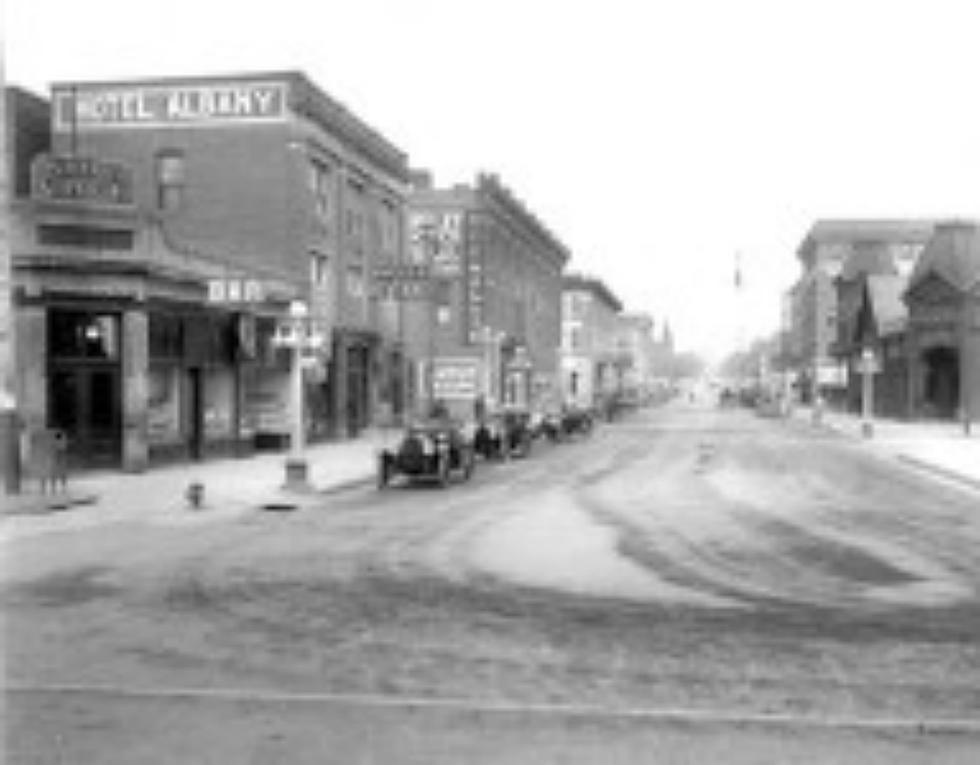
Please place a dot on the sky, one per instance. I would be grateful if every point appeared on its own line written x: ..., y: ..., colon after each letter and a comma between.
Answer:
x: 659, y: 141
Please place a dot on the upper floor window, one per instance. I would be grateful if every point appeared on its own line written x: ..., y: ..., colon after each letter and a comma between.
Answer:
x: 171, y: 172
x: 321, y: 182
x: 319, y: 269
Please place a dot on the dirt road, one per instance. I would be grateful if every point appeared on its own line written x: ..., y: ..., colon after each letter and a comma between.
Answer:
x: 687, y: 581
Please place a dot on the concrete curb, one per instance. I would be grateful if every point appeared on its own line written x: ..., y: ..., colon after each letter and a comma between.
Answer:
x: 43, y: 504
x: 951, y: 475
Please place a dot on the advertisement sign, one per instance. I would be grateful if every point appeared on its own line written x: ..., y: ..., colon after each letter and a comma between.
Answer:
x: 456, y: 378
x: 84, y: 179
x: 436, y: 239
x: 113, y: 106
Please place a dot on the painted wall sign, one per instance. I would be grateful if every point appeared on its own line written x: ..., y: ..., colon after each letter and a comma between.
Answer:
x: 456, y: 378
x: 437, y: 239
x: 112, y: 106
x: 81, y: 179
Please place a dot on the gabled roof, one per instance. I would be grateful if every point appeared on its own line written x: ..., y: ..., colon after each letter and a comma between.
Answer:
x: 953, y: 255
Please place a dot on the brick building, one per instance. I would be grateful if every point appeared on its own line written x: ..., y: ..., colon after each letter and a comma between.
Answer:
x: 943, y: 344
x: 160, y: 242
x: 591, y: 356
x: 488, y: 332
x: 815, y: 305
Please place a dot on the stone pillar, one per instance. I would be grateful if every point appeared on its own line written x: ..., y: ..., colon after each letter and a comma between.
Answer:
x: 135, y: 373
x: 31, y: 385
x: 970, y: 364
x: 913, y: 385
x: 340, y: 391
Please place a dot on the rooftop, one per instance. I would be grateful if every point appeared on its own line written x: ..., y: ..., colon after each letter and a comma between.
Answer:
x: 596, y: 286
x: 851, y: 231
x: 952, y: 254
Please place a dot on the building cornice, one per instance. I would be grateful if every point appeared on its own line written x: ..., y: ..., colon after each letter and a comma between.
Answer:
x: 500, y: 197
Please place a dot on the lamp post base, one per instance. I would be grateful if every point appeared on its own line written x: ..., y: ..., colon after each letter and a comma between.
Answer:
x: 297, y: 474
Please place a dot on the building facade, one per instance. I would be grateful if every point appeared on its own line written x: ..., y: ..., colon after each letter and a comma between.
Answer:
x: 815, y: 310
x: 591, y: 352
x: 162, y: 238
x: 943, y: 343
x: 487, y: 329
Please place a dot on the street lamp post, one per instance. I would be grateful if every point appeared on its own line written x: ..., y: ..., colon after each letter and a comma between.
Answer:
x: 867, y: 370
x: 296, y: 334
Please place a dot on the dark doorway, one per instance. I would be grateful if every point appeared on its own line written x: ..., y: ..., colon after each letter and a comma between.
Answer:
x: 942, y: 382
x: 195, y: 414
x: 85, y: 404
x: 358, y: 388
x: 85, y: 385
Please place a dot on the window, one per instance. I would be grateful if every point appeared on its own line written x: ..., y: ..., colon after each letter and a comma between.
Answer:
x: 321, y: 183
x: 355, y: 282
x: 78, y: 334
x: 88, y: 237
x: 319, y: 269
x: 171, y: 180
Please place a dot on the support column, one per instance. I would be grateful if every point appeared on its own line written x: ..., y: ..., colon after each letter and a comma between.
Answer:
x: 340, y: 391
x: 913, y: 387
x: 136, y: 362
x: 31, y: 385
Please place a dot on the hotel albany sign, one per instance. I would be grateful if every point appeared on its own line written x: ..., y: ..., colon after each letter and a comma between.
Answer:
x: 197, y: 104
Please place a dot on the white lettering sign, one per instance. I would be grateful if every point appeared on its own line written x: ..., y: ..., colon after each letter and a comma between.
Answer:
x: 113, y: 106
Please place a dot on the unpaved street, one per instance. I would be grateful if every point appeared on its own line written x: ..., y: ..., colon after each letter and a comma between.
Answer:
x: 697, y: 582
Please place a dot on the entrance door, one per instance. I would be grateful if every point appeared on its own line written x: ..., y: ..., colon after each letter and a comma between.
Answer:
x: 942, y: 383
x: 85, y: 404
x: 195, y: 414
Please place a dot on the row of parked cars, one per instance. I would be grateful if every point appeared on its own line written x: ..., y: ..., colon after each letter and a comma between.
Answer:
x: 439, y: 448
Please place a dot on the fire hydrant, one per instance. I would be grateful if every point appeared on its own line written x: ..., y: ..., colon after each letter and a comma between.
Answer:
x: 195, y: 494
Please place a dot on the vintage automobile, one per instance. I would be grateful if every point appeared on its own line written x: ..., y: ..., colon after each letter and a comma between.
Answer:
x: 546, y: 424
x: 504, y: 434
x: 576, y: 420
x: 433, y: 450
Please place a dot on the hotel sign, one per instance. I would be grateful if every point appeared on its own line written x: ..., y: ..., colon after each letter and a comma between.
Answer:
x: 81, y: 179
x: 189, y: 105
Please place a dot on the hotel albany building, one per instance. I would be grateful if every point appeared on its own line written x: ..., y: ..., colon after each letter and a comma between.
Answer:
x: 165, y: 229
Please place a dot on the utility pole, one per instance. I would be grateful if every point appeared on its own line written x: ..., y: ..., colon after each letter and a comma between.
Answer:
x: 9, y: 430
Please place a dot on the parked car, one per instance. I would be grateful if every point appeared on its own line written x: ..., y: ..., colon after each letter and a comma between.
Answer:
x: 504, y: 434
x: 517, y: 426
x: 432, y: 450
x: 576, y: 420
x: 546, y: 424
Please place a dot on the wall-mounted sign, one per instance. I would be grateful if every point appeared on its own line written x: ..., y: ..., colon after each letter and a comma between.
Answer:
x: 455, y: 378
x: 112, y: 106
x: 235, y: 291
x: 437, y: 239
x: 81, y: 179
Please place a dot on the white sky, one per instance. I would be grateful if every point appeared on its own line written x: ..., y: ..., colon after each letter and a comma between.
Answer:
x: 656, y: 139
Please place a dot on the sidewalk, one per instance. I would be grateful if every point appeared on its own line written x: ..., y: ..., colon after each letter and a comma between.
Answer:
x: 231, y: 486
x: 941, y: 447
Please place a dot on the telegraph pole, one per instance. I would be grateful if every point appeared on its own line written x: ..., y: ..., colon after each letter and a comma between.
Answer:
x: 9, y: 431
